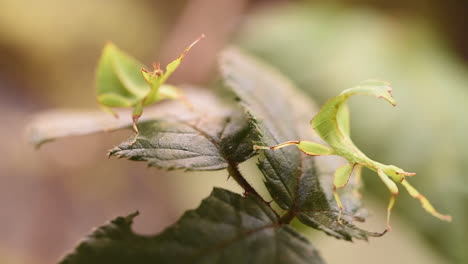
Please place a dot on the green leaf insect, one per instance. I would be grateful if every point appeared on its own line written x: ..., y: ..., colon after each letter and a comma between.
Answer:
x: 122, y: 81
x: 332, y: 125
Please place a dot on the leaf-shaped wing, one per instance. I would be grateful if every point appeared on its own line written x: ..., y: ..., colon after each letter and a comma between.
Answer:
x: 118, y: 79
x: 332, y: 121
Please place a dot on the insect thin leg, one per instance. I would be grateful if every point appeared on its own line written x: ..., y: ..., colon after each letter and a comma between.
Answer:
x: 391, y: 203
x: 285, y: 144
x: 424, y: 202
x: 338, y: 202
x: 394, y: 190
x: 341, y: 179
x: 358, y: 181
x: 135, y: 128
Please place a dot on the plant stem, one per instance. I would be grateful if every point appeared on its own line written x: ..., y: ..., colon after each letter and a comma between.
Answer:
x: 288, y: 217
x: 233, y: 170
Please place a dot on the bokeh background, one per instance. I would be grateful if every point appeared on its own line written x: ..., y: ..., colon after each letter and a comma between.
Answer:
x: 52, y: 197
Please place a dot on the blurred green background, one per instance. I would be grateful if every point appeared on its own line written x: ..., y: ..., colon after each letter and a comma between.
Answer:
x: 52, y: 197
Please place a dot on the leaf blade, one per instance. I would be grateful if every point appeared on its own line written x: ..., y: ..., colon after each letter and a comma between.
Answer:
x: 296, y: 182
x: 202, y: 140
x: 225, y: 228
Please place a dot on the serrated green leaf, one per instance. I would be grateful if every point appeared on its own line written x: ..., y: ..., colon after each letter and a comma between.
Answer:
x: 202, y: 143
x: 207, y: 138
x: 225, y: 228
x: 297, y: 182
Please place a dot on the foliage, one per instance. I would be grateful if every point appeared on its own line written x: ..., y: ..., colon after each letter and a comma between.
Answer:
x: 122, y: 81
x: 225, y: 228
x: 212, y: 134
x: 331, y: 46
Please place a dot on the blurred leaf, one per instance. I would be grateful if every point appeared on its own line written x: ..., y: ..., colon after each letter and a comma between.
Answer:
x: 225, y: 228
x: 204, y: 142
x: 297, y: 182
x: 55, y: 124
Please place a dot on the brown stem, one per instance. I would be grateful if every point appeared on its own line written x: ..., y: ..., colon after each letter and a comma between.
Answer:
x: 288, y: 217
x: 234, y: 172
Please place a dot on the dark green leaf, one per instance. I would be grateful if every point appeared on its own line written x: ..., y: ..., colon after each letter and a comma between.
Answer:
x: 204, y: 139
x: 297, y: 182
x: 226, y: 228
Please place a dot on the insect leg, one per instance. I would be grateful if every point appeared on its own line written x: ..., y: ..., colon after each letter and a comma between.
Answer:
x: 308, y: 147
x: 137, y: 112
x: 135, y: 128
x: 342, y: 175
x: 393, y: 189
x: 285, y: 144
x: 424, y: 202
x: 358, y: 180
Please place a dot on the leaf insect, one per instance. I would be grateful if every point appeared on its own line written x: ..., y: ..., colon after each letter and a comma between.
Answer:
x: 122, y: 81
x: 332, y: 124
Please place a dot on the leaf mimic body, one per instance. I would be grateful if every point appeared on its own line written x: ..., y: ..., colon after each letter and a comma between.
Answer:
x: 332, y: 125
x: 332, y: 122
x: 123, y: 82
x: 298, y: 185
